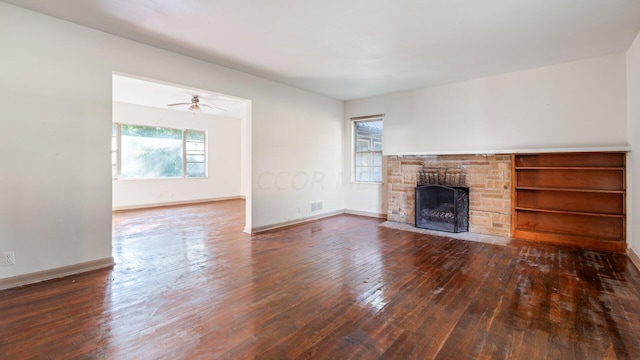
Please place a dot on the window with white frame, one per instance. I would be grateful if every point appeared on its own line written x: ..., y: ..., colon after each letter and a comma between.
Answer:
x: 152, y: 152
x: 194, y: 148
x: 368, y: 149
x: 114, y: 150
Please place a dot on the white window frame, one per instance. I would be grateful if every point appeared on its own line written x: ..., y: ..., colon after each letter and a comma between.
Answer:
x: 185, y: 161
x: 115, y: 152
x: 355, y: 121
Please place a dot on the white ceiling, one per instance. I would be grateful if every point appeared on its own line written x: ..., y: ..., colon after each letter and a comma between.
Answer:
x: 131, y: 90
x: 350, y: 49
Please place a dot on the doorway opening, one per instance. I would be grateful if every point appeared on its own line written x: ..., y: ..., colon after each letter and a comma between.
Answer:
x: 169, y: 149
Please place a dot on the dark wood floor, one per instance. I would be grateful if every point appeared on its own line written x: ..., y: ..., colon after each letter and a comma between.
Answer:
x: 189, y: 284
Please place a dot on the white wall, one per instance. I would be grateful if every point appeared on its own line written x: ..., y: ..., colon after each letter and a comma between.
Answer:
x: 578, y: 104
x: 633, y: 163
x: 223, y: 159
x: 300, y: 158
x: 55, y: 106
x: 359, y: 197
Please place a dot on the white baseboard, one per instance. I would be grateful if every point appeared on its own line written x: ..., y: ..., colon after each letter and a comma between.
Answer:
x: 634, y: 258
x: 174, y: 203
x: 39, y: 276
x: 295, y: 222
x: 366, y: 213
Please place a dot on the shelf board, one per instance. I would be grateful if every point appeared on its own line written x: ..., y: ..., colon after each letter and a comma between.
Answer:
x: 569, y: 168
x: 583, y: 242
x: 570, y: 190
x: 619, y: 216
x: 585, y: 237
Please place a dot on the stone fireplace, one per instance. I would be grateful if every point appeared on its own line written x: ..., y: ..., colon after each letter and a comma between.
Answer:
x: 488, y: 178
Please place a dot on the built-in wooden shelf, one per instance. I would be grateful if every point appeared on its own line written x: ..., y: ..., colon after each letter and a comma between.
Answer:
x: 575, y: 199
x: 571, y: 190
x: 568, y: 168
x: 570, y: 212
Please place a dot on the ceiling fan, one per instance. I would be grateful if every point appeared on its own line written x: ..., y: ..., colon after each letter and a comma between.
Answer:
x: 196, y: 106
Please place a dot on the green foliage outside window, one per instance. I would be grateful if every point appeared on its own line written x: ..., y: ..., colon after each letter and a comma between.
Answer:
x: 151, y: 132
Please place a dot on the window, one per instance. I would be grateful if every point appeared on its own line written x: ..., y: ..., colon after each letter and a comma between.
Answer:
x: 368, y: 150
x: 194, y: 153
x: 150, y: 152
x: 114, y: 151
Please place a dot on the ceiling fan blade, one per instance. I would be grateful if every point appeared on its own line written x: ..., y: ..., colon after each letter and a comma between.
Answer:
x: 214, y: 107
x: 188, y: 103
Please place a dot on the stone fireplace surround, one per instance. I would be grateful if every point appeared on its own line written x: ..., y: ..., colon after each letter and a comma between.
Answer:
x: 487, y: 176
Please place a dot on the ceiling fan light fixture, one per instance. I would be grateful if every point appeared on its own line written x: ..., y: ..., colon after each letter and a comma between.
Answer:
x: 194, y: 107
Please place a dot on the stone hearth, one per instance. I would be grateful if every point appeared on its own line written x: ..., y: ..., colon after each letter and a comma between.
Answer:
x: 487, y: 176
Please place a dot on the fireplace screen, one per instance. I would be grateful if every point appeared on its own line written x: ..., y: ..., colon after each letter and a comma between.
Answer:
x: 443, y: 208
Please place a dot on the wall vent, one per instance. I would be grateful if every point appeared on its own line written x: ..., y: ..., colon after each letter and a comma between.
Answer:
x: 316, y: 206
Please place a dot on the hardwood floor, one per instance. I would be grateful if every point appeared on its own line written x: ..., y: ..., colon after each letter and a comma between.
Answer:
x: 189, y: 284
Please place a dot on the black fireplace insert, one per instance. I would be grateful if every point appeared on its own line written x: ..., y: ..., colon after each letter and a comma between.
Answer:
x: 443, y: 208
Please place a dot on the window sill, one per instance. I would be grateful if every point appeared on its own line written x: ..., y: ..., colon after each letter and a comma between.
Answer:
x: 367, y: 182
x: 167, y: 178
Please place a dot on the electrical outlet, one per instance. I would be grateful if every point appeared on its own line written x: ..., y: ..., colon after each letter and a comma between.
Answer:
x: 8, y: 258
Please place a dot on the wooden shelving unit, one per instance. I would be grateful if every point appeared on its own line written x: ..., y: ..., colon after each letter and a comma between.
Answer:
x: 574, y: 199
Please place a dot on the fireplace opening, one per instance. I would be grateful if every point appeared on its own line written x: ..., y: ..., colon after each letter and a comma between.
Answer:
x: 443, y: 208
